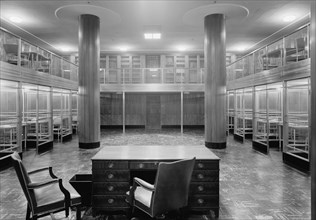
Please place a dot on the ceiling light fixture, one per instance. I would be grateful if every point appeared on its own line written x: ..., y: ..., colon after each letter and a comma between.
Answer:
x: 289, y: 18
x: 15, y: 19
x: 64, y: 49
x: 151, y: 36
x: 182, y: 48
x: 123, y: 48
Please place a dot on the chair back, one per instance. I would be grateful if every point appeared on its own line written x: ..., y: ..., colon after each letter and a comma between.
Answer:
x: 24, y: 179
x: 172, y: 186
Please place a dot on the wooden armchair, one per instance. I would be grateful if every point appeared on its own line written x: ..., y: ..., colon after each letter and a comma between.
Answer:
x: 45, y: 197
x: 169, y: 192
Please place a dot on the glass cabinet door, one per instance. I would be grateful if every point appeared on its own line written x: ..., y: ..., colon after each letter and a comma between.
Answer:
x: 260, y: 130
x: 37, y: 116
x: 230, y: 111
x: 239, y: 114
x: 62, y: 125
x: 275, y: 114
x: 9, y: 117
x: 296, y: 123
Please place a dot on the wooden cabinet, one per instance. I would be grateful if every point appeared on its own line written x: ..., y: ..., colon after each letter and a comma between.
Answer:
x: 114, y: 167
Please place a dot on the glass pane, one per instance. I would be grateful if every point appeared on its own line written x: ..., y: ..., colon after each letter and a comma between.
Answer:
x: 296, y: 46
x: 274, y: 55
x: 8, y: 115
x: 259, y: 60
x: 297, y: 125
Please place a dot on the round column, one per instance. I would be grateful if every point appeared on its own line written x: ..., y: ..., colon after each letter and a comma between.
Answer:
x: 215, y: 81
x: 89, y: 85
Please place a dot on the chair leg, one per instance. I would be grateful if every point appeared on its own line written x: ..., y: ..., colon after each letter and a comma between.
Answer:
x: 78, y: 212
x: 67, y: 212
x: 28, y: 212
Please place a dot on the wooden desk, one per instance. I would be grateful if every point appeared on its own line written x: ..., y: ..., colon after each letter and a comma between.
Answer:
x: 113, y: 168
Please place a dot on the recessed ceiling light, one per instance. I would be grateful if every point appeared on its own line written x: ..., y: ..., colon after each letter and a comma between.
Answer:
x: 123, y: 48
x: 156, y: 35
x: 63, y: 48
x: 151, y: 36
x: 16, y: 19
x: 289, y: 18
x: 182, y: 48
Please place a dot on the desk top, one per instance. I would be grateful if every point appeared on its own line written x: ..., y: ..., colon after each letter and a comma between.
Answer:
x: 149, y: 152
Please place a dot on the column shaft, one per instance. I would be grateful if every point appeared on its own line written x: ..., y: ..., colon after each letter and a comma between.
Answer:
x: 313, y: 108
x: 89, y: 85
x: 215, y: 81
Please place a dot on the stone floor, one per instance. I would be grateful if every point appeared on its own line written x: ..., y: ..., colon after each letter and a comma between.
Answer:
x: 252, y: 185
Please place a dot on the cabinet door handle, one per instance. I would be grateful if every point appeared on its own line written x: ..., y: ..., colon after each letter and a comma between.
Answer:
x: 200, y: 165
x: 111, y: 165
x: 110, y: 201
x: 141, y: 165
x: 200, y: 176
x: 110, y: 176
x: 200, y: 188
x: 200, y: 201
x: 110, y: 188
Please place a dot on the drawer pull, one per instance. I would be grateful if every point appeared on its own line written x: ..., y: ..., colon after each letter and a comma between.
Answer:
x: 110, y: 201
x: 141, y: 165
x: 200, y: 165
x: 110, y: 188
x: 111, y: 165
x: 200, y: 188
x: 110, y: 176
x: 200, y: 201
x: 200, y: 176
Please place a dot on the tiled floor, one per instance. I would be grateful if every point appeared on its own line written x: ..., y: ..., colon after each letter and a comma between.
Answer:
x: 252, y: 185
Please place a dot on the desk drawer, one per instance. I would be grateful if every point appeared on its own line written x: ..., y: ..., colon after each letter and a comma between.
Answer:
x: 108, y: 188
x: 205, y: 175
x: 204, y: 188
x: 109, y: 201
x: 110, y: 165
x: 200, y: 201
x: 139, y: 165
x: 110, y: 175
x: 206, y: 165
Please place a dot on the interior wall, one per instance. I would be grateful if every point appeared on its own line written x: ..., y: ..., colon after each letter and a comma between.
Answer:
x: 111, y: 108
x: 171, y: 109
x: 193, y: 109
x: 137, y: 111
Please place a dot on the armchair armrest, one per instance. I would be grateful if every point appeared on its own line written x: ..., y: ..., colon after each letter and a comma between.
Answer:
x: 144, y: 184
x: 50, y: 170
x: 35, y: 185
x: 41, y: 184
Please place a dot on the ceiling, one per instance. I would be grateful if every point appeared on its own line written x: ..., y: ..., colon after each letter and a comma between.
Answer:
x: 123, y: 23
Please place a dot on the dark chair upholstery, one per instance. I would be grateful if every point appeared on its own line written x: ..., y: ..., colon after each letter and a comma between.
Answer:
x: 47, y: 196
x: 169, y: 192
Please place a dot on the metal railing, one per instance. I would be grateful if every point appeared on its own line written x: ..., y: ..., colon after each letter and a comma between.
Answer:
x: 152, y: 75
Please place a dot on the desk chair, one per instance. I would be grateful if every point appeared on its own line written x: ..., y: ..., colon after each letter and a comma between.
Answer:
x: 45, y: 197
x: 169, y: 192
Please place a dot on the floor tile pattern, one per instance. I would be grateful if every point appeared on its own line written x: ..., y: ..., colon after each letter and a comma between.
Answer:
x: 253, y: 186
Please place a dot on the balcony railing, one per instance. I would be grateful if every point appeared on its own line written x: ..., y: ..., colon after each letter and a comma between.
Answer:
x: 16, y: 51
x: 289, y: 49
x: 152, y: 75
